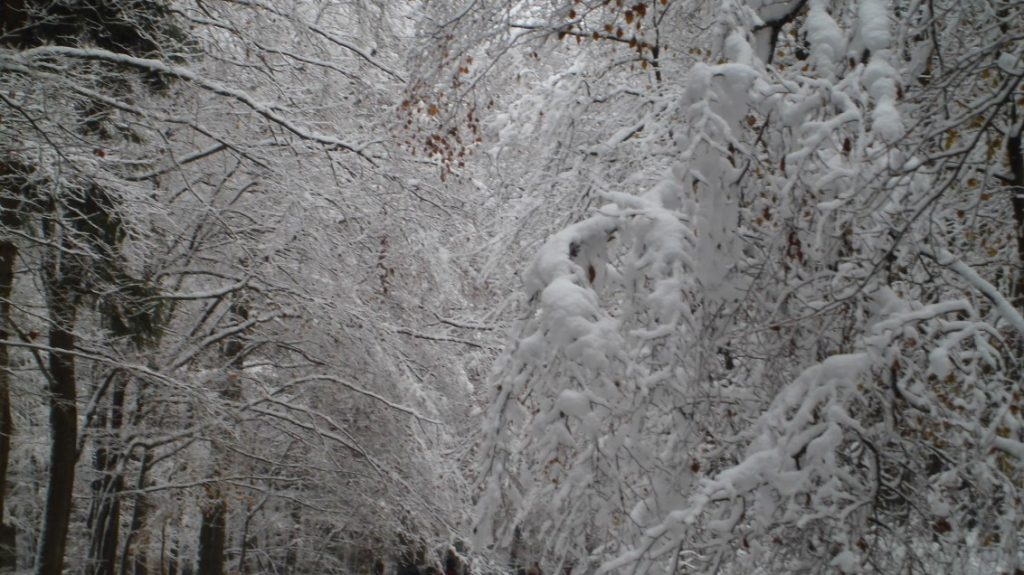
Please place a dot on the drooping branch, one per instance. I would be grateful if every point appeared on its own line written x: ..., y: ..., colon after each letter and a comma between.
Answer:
x: 1003, y: 305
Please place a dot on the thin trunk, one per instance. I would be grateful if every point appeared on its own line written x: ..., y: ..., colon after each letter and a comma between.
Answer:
x: 107, y: 490
x: 8, y: 535
x: 63, y: 423
x: 172, y: 559
x: 1015, y: 156
x: 107, y: 529
x: 291, y: 559
x: 10, y: 218
x: 213, y: 532
x: 168, y: 553
x: 134, y: 558
x: 247, y: 541
x: 8, y: 255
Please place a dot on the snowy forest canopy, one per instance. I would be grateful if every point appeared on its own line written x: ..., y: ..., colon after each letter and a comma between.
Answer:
x: 511, y: 286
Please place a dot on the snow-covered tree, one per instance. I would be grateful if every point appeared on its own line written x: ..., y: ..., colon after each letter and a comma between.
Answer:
x: 222, y: 177
x: 783, y: 334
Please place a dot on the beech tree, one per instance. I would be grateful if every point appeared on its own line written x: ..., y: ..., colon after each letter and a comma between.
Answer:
x: 245, y: 369
x: 782, y: 336
x: 760, y: 263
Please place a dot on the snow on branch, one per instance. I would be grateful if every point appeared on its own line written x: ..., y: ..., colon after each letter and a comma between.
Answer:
x: 1006, y: 310
x: 33, y: 56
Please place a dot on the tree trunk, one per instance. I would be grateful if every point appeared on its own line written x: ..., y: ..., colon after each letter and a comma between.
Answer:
x: 106, y: 531
x: 213, y: 532
x: 10, y: 206
x: 107, y: 490
x: 8, y: 255
x: 213, y: 535
x: 8, y: 548
x: 172, y: 558
x: 246, y: 540
x: 1015, y: 157
x: 63, y: 424
x: 134, y: 558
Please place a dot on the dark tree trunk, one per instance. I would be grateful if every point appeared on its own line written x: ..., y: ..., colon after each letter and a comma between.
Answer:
x: 8, y: 548
x: 1015, y: 157
x: 8, y: 255
x: 212, y: 536
x: 63, y: 423
x: 10, y: 217
x: 213, y: 532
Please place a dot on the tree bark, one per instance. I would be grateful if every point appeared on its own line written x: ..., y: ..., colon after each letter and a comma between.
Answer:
x: 63, y: 423
x: 10, y: 217
x: 213, y: 535
x: 1015, y: 157
x: 8, y: 255
x: 213, y: 532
